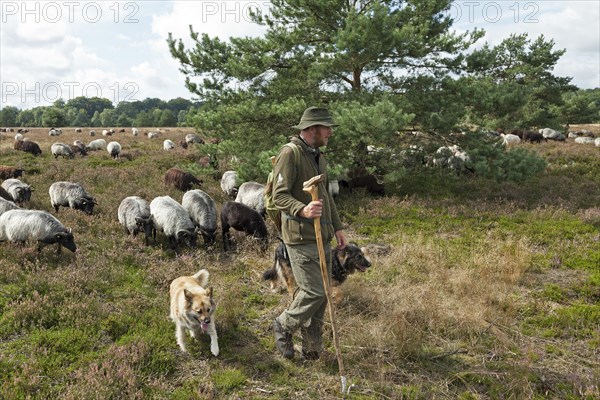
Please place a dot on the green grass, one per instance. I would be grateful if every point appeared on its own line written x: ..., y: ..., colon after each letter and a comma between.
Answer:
x: 489, y: 290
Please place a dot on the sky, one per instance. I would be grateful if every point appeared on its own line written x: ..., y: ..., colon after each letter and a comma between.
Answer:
x: 118, y: 50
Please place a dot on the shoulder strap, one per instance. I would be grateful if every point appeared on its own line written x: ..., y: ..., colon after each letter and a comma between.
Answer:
x: 296, y: 149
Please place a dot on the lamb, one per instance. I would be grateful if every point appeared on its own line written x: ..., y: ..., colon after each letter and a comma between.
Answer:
x: 242, y: 218
x: 19, y: 192
x: 72, y: 195
x: 174, y: 221
x: 98, y: 144
x: 6, y: 205
x: 37, y: 226
x: 168, y: 144
x: 114, y: 149
x: 7, y: 172
x: 28, y: 147
x: 180, y: 179
x: 203, y: 212
x: 192, y: 138
x: 61, y: 149
x: 134, y: 215
x: 252, y: 194
x: 229, y: 184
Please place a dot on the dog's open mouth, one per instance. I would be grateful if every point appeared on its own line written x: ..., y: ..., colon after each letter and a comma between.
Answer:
x: 361, y: 268
x: 204, y: 326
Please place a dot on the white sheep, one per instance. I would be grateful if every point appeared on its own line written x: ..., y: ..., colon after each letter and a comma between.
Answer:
x: 19, y: 191
x: 54, y: 132
x: 152, y: 135
x: 72, y: 195
x: 98, y: 144
x: 114, y: 149
x: 509, y: 139
x: 333, y: 187
x: 6, y: 205
x: 168, y: 144
x: 135, y: 131
x: 92, y: 133
x: 597, y: 142
x: 37, y: 226
x: 192, y: 138
x: 174, y: 221
x: 18, y: 136
x: 134, y: 215
x: 252, y: 194
x: 203, y: 212
x: 229, y: 183
x: 584, y: 140
x: 61, y: 149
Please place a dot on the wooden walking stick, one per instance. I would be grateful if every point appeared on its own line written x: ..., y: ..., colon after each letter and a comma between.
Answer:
x: 311, y: 186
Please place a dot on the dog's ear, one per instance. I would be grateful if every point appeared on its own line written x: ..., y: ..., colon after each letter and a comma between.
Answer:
x: 209, y: 292
x: 189, y: 296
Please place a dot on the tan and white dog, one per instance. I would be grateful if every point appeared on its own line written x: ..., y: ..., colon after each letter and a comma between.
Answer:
x: 192, y: 309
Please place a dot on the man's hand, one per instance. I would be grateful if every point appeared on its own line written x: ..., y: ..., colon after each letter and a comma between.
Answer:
x: 314, y: 209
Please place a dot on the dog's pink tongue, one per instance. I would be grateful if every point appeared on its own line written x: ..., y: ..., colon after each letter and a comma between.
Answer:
x: 204, y: 326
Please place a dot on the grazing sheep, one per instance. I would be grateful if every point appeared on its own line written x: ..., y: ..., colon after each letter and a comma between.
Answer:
x: 597, y: 142
x: 242, y: 218
x: 168, y: 144
x: 134, y: 215
x: 79, y: 148
x: 37, y: 226
x: 19, y: 192
x: 28, y: 147
x: 19, y: 136
x: 92, y: 133
x: 183, y: 143
x: 369, y: 182
x: 533, y: 137
x: 192, y: 138
x: 7, y: 172
x: 98, y: 144
x: 61, y: 149
x: 78, y: 130
x: 107, y: 132
x: 6, y: 205
x: 510, y: 139
x: 252, y: 194
x: 333, y: 187
x: 174, y: 221
x: 152, y: 135
x: 114, y: 149
x: 180, y: 179
x: 135, y: 131
x: 584, y: 140
x: 203, y: 212
x: 72, y: 195
x: 229, y: 184
x: 54, y: 132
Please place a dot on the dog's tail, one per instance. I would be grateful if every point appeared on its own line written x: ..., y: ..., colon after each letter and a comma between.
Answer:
x: 202, y: 277
x: 270, y: 274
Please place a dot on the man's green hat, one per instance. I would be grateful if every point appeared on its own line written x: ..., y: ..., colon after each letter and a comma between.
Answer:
x: 315, y: 116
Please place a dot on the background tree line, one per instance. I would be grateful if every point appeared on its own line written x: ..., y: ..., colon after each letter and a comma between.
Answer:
x: 382, y: 67
x: 100, y: 112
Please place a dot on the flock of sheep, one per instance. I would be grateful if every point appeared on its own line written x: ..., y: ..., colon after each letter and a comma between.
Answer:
x: 180, y: 223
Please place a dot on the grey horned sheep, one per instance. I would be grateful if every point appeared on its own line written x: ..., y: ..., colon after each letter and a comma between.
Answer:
x: 203, y: 212
x: 36, y: 226
x: 19, y: 192
x: 172, y: 219
x: 72, y: 195
x: 134, y: 215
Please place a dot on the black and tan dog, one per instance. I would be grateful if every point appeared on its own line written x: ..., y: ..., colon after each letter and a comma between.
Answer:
x: 344, y: 261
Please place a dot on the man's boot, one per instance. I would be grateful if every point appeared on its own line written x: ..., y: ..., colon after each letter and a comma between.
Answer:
x: 283, y: 340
